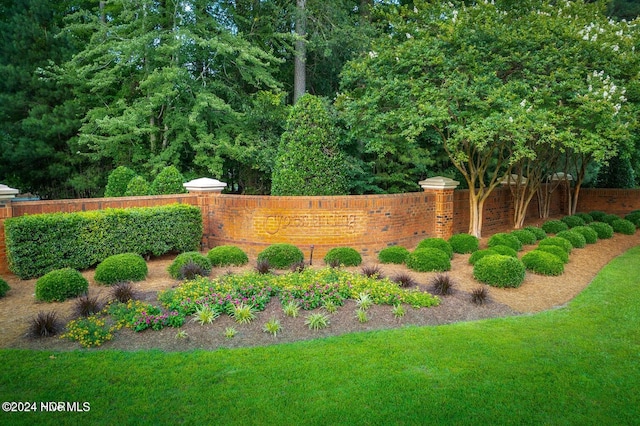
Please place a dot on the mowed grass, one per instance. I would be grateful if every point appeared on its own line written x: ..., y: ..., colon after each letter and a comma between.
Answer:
x: 576, y: 365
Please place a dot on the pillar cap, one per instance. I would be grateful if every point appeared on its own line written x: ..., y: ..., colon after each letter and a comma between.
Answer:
x: 512, y: 179
x: 204, y: 185
x: 560, y: 176
x: 7, y: 193
x: 439, y: 182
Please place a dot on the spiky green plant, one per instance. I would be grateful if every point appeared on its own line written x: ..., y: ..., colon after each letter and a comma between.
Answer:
x: 272, y: 327
x: 361, y: 315
x: 317, y: 321
x: 398, y: 311
x: 204, y: 315
x: 364, y: 301
x: 230, y: 332
x: 243, y: 313
x: 291, y: 309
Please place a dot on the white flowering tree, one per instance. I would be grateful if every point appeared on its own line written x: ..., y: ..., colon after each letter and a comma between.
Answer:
x: 509, y: 88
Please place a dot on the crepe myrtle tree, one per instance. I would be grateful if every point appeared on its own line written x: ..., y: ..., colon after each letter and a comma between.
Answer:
x: 504, y: 85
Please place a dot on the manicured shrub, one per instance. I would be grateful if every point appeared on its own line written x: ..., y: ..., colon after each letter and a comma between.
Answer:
x: 168, y: 181
x: 610, y: 218
x: 573, y: 221
x: 538, y: 232
x: 575, y: 238
x: 347, y: 256
x: 504, y: 250
x: 117, y: 181
x: 623, y: 226
x: 184, y: 258
x: 121, y: 267
x: 227, y: 255
x: 504, y: 239
x: 597, y: 215
x: 634, y: 217
x: 281, y: 256
x: 557, y: 251
x: 585, y: 216
x: 428, y: 259
x: 604, y: 230
x: 138, y: 186
x: 543, y: 263
x: 84, y: 239
x: 557, y: 241
x: 437, y: 243
x: 4, y: 288
x: 464, y: 243
x: 60, y: 285
x: 477, y: 255
x: 394, y: 254
x: 554, y: 226
x: 589, y: 234
x: 499, y: 271
x: 525, y: 237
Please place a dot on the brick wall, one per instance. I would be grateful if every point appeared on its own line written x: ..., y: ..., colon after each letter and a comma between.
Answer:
x: 613, y: 201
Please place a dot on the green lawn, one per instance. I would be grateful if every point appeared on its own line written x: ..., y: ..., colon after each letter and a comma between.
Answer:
x: 577, y: 365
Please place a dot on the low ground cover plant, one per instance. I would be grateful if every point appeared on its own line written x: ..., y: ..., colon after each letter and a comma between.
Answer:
x: 60, y: 285
x: 346, y: 256
x: 183, y: 259
x: 428, y: 259
x: 121, y: 267
x: 394, y: 254
x: 504, y: 239
x: 499, y: 271
x: 464, y: 243
x: 227, y: 255
x: 543, y: 263
x: 437, y: 243
x: 281, y: 256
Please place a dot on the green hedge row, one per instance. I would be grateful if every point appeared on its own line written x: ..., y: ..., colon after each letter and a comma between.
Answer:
x: 37, y: 244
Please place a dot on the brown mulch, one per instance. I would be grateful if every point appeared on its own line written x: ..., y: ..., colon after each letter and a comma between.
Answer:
x: 537, y: 293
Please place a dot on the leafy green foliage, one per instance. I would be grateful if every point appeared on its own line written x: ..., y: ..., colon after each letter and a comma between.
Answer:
x: 598, y: 215
x: 81, y: 240
x: 563, y: 243
x: 138, y: 186
x: 272, y: 326
x: 524, y: 236
x: 589, y: 234
x: 428, y: 259
x: 573, y: 221
x: 576, y: 239
x: 617, y: 173
x: 504, y: 239
x: 121, y: 267
x: 538, y: 232
x: 168, y: 181
x: 437, y: 243
x: 623, y: 226
x: 394, y: 254
x: 543, y: 263
x: 317, y: 321
x: 118, y: 181
x: 610, y: 218
x: 309, y: 161
x: 634, y: 217
x: 184, y: 258
x: 281, y: 256
x: 227, y: 255
x: 346, y: 256
x: 499, y: 271
x: 557, y: 251
x: 604, y: 230
x: 4, y: 288
x: 554, y: 226
x: 60, y: 284
x: 464, y: 243
x: 475, y: 256
x: 585, y: 216
x: 504, y: 250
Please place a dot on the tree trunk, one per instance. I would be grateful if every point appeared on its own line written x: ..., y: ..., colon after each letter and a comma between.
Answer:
x: 300, y: 77
x: 476, y: 205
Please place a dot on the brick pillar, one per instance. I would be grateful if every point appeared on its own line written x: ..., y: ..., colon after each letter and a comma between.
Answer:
x: 442, y: 188
x: 6, y: 211
x: 206, y: 190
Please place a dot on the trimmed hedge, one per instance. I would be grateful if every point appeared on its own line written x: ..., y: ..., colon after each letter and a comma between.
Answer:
x: 557, y: 241
x: 544, y: 263
x: 538, y: 232
x: 4, y: 288
x: 61, y: 284
x: 184, y: 258
x: 604, y: 230
x: 504, y: 250
x: 575, y: 238
x: 554, y: 226
x: 346, y: 256
x: 281, y: 256
x: 634, y: 217
x: 589, y: 234
x: 499, y: 271
x: 504, y: 239
x: 168, y: 181
x: 573, y: 221
x: 557, y: 251
x: 464, y: 243
x: 428, y: 259
x: 227, y: 255
x: 623, y: 226
x: 524, y: 236
x: 597, y: 215
x: 118, y: 180
x: 37, y: 244
x: 477, y: 255
x: 585, y: 216
x: 437, y: 243
x: 610, y: 218
x: 120, y: 268
x: 395, y: 254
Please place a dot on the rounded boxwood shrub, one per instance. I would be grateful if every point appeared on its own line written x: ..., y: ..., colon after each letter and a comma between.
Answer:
x: 61, y: 284
x: 504, y: 239
x: 557, y: 241
x: 538, y: 232
x: 118, y: 180
x: 604, y: 230
x: 575, y: 238
x: 623, y: 226
x: 281, y: 256
x: 346, y: 256
x: 610, y: 218
x: 557, y: 251
x: 428, y: 259
x: 597, y: 215
x: 477, y: 255
x: 168, y: 181
x: 464, y: 243
x: 4, y: 287
x: 588, y: 233
x: 499, y: 271
x: 573, y: 221
x: 121, y: 267
x: 190, y: 256
x: 227, y: 255
x: 634, y: 217
x: 585, y: 216
x: 542, y: 262
x: 554, y: 226
x: 526, y: 237
x: 437, y: 243
x: 504, y: 250
x: 395, y: 254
